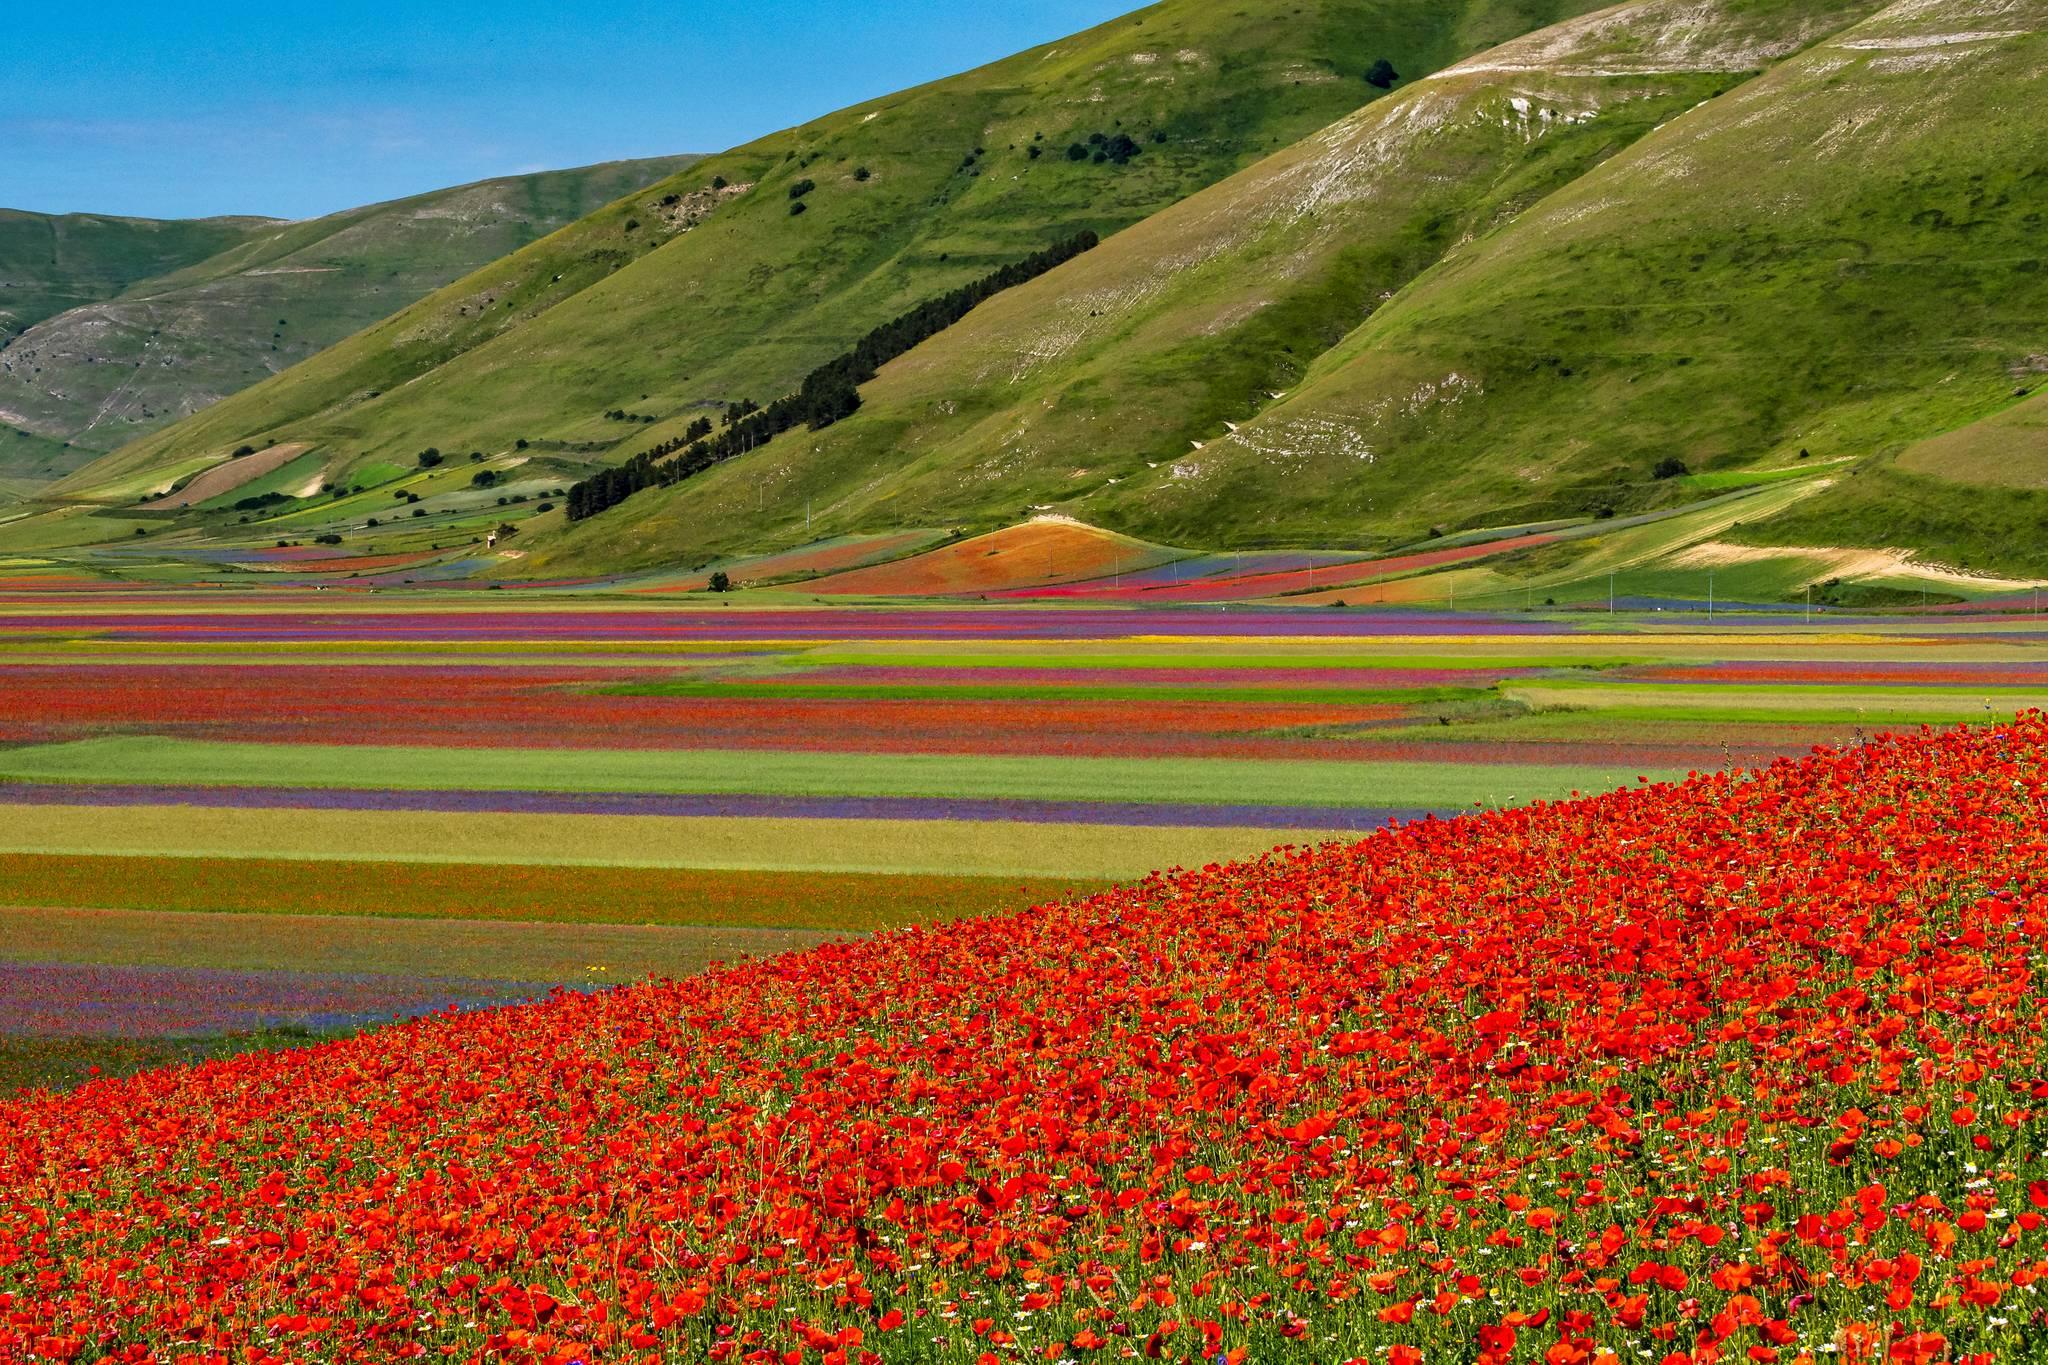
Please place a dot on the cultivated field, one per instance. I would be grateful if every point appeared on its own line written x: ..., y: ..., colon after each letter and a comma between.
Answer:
x: 226, y: 813
x: 1741, y: 1068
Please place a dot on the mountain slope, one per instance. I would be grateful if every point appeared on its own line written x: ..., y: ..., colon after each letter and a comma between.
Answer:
x: 51, y: 262
x: 711, y: 286
x: 1841, y: 258
x: 1108, y: 388
x: 99, y: 375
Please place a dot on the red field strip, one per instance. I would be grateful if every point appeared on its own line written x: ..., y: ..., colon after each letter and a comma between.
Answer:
x: 1289, y: 583
x: 513, y: 707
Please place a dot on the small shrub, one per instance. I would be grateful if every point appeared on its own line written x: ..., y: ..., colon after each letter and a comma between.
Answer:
x: 1382, y: 75
x: 1670, y: 467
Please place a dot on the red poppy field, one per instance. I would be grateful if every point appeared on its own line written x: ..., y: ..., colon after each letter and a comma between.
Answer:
x: 1743, y: 1068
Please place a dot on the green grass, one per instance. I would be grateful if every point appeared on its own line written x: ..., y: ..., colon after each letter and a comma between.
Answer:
x: 1991, y: 526
x: 150, y: 759
x: 28, y: 461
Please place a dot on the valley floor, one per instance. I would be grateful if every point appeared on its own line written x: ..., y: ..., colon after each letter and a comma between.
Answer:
x: 226, y: 813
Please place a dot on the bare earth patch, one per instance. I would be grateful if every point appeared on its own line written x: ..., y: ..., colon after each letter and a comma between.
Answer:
x: 231, y: 474
x: 1841, y: 561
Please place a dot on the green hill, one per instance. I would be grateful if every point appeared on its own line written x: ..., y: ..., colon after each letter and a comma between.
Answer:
x: 1779, y: 261
x: 1108, y: 390
x: 713, y: 286
x: 51, y: 262
x: 1839, y: 259
x: 1840, y: 256
x: 129, y: 360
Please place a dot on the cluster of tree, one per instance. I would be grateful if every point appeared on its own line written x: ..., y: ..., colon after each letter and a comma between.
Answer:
x: 621, y: 415
x: 1101, y: 147
x: 428, y: 458
x: 260, y: 500
x: 1382, y: 75
x: 827, y: 394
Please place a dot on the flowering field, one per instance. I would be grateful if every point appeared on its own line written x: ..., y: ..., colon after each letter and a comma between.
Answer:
x: 529, y: 790
x: 1740, y: 1068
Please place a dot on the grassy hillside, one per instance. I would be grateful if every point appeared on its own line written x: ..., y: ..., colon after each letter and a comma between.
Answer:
x: 98, y: 375
x: 1976, y: 495
x: 1109, y: 388
x: 709, y: 287
x: 1837, y: 260
x: 51, y: 262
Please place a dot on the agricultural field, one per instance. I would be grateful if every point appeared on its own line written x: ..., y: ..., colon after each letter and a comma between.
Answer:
x: 1741, y: 1067
x: 224, y: 814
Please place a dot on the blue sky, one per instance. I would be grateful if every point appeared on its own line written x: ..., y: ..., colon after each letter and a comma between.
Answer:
x: 185, y: 108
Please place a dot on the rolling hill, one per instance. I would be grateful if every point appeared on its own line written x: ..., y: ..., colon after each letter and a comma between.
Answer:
x: 1154, y: 384
x: 731, y: 280
x: 51, y: 262
x: 157, y: 334
x: 1685, y: 283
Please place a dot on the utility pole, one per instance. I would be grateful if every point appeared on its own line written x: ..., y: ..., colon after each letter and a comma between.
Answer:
x: 1710, y: 594
x: 1610, y: 592
x: 1809, y: 604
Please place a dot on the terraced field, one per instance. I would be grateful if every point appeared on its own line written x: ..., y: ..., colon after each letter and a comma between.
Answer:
x: 299, y: 809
